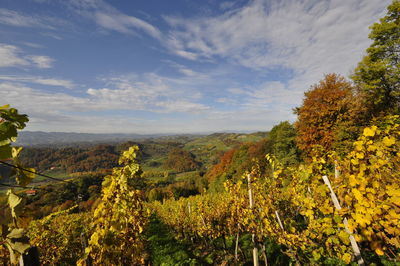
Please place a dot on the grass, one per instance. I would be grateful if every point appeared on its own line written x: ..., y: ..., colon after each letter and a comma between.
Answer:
x: 165, y: 250
x: 56, y: 173
x: 186, y: 175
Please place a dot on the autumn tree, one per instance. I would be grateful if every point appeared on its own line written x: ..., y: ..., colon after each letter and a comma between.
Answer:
x: 282, y: 138
x: 181, y: 161
x: 329, y: 111
x: 378, y: 74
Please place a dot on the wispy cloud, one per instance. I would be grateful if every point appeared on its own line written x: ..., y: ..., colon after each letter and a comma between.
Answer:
x: 63, y: 112
x: 12, y: 56
x: 186, y: 71
x: 226, y: 5
x: 220, y: 72
x: 151, y: 93
x: 33, y: 45
x: 9, y: 56
x: 52, y: 35
x: 13, y: 18
x: 110, y: 18
x: 18, y: 19
x: 39, y: 80
x: 41, y: 61
x: 123, y: 23
x: 309, y: 37
x: 272, y: 95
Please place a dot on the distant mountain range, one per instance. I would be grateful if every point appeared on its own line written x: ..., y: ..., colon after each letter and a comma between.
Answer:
x: 35, y: 138
x: 28, y: 138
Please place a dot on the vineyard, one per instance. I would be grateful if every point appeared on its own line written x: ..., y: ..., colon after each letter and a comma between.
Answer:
x: 324, y: 190
x: 292, y: 207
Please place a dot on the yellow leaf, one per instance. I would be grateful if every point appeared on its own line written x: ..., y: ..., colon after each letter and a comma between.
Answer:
x: 389, y: 141
x: 352, y: 180
x: 369, y: 132
x: 379, y: 251
x: 357, y: 194
x: 346, y: 258
x: 372, y: 148
x: 359, y: 145
x: 360, y: 155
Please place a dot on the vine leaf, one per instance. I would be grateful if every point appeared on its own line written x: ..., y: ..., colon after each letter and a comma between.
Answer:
x: 15, y: 202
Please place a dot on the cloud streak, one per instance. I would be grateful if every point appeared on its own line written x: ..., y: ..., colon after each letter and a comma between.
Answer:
x: 13, y: 18
x: 41, y: 61
x: 109, y: 18
x: 40, y: 80
x: 308, y: 37
x: 12, y: 56
x: 18, y: 19
x: 152, y: 93
x: 9, y: 56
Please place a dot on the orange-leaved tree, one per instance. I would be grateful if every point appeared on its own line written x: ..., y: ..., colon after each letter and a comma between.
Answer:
x: 330, y: 115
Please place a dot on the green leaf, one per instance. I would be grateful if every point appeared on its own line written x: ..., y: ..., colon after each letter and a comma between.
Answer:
x: 6, y: 106
x: 16, y: 151
x: 17, y: 233
x: 5, y: 151
x: 316, y: 255
x: 5, y: 142
x: 15, y: 202
x: 20, y: 247
x: 24, y: 177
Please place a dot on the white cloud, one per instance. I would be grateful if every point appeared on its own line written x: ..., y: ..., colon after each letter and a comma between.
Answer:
x: 151, y: 93
x: 182, y: 106
x: 272, y: 93
x: 51, y: 111
x: 38, y: 101
x: 12, y: 56
x: 54, y: 82
x: 41, y: 61
x: 9, y: 56
x: 40, y: 80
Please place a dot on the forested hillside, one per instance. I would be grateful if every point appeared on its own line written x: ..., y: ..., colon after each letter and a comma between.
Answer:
x: 324, y: 190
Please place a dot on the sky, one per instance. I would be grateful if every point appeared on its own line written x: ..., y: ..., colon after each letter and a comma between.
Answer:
x: 181, y: 66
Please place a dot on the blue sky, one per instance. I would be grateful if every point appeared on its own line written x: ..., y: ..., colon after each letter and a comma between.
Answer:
x: 180, y: 66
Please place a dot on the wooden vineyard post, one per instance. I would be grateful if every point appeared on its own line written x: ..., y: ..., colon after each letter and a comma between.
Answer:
x: 279, y: 220
x: 253, y: 236
x: 337, y: 172
x: 237, y: 245
x: 353, y: 241
x: 189, y: 213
